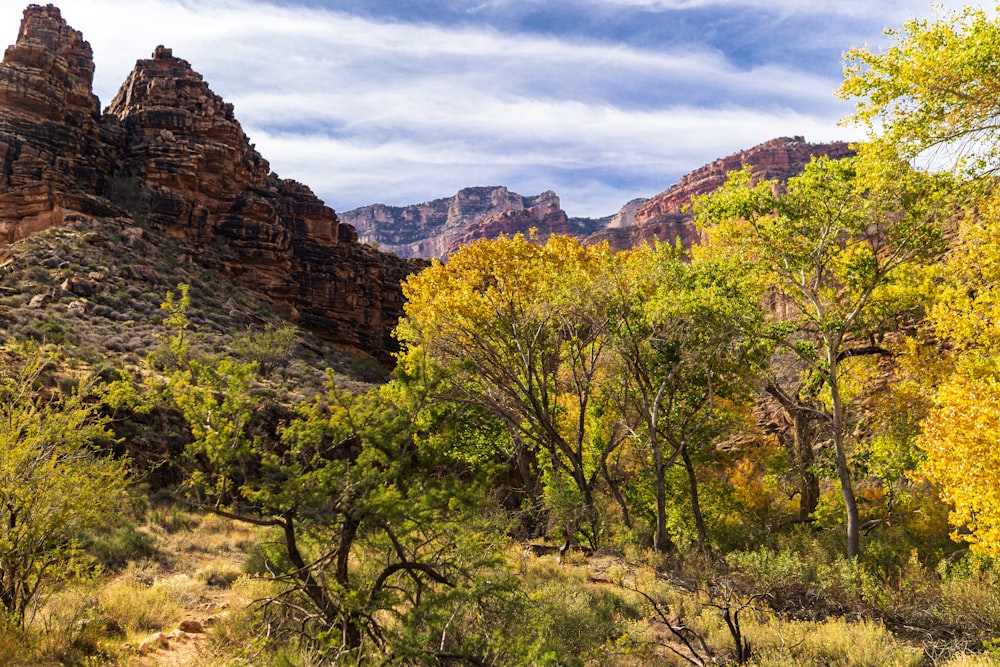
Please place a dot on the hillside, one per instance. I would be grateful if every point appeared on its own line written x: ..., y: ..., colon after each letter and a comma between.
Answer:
x: 780, y: 451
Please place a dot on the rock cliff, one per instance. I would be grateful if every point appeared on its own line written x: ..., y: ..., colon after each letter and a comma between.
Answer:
x: 171, y: 153
x: 56, y: 151
x: 436, y: 228
x: 439, y: 227
x: 663, y: 217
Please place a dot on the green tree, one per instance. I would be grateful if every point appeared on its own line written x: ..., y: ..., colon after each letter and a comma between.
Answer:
x: 831, y: 249
x: 54, y: 483
x: 684, y: 334
x: 271, y: 347
x: 378, y: 535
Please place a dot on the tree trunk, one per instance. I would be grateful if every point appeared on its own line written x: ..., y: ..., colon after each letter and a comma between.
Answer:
x: 799, y: 443
x: 330, y: 610
x: 523, y: 458
x: 843, y: 471
x: 699, y: 519
x: 802, y: 455
x: 616, y: 493
x: 661, y: 540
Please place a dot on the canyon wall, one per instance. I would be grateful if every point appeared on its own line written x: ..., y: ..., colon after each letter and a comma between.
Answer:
x: 439, y: 227
x: 170, y: 153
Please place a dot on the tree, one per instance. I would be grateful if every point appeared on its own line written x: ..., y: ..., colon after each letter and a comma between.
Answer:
x: 271, y: 347
x: 377, y: 537
x: 961, y: 432
x: 934, y: 88
x: 523, y: 330
x: 685, y: 337
x: 934, y: 93
x: 54, y: 483
x: 829, y: 249
x: 960, y: 437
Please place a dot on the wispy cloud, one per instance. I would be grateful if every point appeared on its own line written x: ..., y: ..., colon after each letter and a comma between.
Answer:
x: 897, y: 10
x: 378, y: 107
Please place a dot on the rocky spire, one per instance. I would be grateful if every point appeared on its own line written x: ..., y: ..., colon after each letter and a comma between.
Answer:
x: 49, y: 71
x: 56, y: 156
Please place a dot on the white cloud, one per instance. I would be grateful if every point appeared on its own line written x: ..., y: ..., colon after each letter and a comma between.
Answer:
x: 367, y: 110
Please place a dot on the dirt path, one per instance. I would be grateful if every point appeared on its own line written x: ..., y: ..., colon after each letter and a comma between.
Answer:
x: 188, y: 643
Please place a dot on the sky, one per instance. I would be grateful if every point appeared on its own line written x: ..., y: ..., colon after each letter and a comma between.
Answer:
x: 404, y: 101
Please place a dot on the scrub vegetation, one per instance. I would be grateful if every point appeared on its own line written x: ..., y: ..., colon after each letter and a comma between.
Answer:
x: 775, y: 448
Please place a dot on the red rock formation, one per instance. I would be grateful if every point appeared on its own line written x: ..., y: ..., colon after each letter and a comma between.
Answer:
x: 55, y: 152
x: 208, y: 185
x: 439, y: 227
x: 171, y: 151
x: 663, y: 217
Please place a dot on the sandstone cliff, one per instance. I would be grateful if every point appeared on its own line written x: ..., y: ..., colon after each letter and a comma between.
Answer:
x: 57, y: 153
x: 663, y: 217
x: 439, y: 227
x: 171, y: 152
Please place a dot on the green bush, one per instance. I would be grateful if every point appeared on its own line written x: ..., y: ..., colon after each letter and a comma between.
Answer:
x: 115, y: 548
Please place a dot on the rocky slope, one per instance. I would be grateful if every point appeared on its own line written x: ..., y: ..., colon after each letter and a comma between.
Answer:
x: 438, y: 227
x: 171, y: 152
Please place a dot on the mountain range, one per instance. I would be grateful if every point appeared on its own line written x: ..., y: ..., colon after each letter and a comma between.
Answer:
x: 169, y: 154
x: 435, y: 229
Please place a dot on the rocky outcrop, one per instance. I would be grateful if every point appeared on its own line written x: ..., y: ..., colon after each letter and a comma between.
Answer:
x: 439, y: 227
x: 57, y: 153
x: 171, y: 152
x: 664, y: 217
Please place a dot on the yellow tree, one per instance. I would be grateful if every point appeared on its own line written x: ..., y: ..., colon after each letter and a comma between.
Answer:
x: 831, y: 247
x: 936, y: 92
x: 960, y: 434
x: 936, y: 87
x: 522, y: 330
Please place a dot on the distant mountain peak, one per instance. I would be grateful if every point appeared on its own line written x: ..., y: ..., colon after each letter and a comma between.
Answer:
x: 438, y: 227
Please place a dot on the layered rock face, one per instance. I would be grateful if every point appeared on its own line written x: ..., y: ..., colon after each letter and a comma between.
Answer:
x: 439, y: 227
x: 663, y: 217
x: 57, y: 153
x: 171, y: 151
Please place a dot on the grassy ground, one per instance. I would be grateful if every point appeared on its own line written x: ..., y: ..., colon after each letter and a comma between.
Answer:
x: 605, y: 609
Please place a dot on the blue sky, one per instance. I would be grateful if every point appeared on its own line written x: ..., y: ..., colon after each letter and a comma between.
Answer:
x: 404, y: 101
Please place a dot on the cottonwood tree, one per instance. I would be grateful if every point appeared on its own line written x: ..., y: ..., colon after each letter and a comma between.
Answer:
x: 523, y: 330
x: 934, y: 89
x: 933, y: 94
x: 685, y: 336
x: 832, y: 247
x: 54, y: 483
x: 960, y: 433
